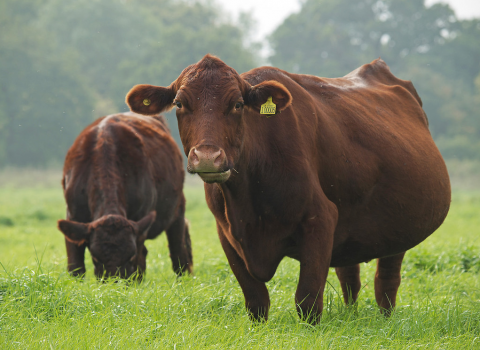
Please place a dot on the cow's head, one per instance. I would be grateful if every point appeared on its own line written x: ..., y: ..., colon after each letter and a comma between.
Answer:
x: 115, y: 243
x: 211, y: 99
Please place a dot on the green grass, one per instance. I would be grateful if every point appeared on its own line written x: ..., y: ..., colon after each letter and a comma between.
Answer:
x: 41, y: 307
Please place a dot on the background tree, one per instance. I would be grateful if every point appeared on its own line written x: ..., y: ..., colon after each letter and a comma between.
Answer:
x: 427, y: 45
x: 64, y: 63
x: 181, y: 36
x: 43, y: 103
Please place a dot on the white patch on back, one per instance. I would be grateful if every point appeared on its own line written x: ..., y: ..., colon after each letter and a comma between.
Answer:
x: 348, y: 82
x: 138, y: 116
x: 129, y: 114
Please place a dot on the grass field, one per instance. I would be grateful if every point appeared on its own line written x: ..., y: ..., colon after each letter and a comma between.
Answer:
x: 42, y: 307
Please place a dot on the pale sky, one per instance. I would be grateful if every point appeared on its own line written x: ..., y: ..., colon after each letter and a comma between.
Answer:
x: 270, y: 13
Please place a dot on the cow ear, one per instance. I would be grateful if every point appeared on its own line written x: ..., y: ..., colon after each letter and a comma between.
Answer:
x: 75, y: 232
x: 260, y: 93
x: 150, y: 99
x: 144, y: 224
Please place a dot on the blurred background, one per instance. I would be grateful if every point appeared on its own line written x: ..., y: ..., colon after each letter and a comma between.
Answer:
x: 64, y: 63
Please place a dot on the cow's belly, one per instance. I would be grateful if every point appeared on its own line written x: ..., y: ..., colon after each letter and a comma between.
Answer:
x: 390, y: 222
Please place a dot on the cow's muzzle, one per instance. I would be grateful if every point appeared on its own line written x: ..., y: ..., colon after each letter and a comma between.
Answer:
x: 209, y: 162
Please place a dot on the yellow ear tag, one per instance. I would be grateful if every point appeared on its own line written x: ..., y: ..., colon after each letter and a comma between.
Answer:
x: 147, y: 102
x: 268, y: 107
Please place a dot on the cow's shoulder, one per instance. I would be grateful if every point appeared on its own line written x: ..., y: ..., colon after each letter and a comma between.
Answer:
x: 82, y: 149
x: 142, y: 137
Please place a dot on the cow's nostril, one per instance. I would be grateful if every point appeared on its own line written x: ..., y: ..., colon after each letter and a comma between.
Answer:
x: 194, y: 157
x: 219, y: 159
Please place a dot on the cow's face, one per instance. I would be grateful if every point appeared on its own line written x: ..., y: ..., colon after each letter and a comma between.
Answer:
x: 210, y: 100
x: 115, y: 243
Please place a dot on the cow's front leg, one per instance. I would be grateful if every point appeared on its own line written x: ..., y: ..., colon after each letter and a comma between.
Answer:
x: 387, y: 281
x: 76, y: 258
x: 180, y: 246
x: 257, y: 300
x: 315, y: 250
x: 349, y: 277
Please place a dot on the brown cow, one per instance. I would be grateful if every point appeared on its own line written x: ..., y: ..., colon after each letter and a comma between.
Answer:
x: 123, y: 182
x: 348, y: 172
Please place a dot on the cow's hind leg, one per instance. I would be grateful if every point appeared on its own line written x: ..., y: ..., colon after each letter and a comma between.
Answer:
x: 349, y: 277
x: 76, y: 258
x: 257, y: 300
x: 387, y: 281
x: 180, y: 246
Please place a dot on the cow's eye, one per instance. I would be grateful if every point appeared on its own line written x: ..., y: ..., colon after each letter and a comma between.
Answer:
x: 238, y: 105
x: 178, y: 104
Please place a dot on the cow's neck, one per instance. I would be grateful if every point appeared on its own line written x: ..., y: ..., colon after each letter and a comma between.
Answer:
x: 107, y: 203
x: 106, y: 195
x: 261, y: 214
x: 267, y: 170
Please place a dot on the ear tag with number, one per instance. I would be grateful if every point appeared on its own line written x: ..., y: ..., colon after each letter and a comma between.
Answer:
x: 269, y: 108
x: 147, y: 102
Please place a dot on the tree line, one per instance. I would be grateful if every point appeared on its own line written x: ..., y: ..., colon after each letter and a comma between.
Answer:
x: 430, y: 46
x: 64, y: 63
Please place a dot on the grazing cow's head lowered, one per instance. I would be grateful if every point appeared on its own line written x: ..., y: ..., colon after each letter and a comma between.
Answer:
x: 211, y: 99
x: 115, y: 243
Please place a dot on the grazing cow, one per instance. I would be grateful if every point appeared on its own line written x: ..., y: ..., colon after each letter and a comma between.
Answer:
x: 346, y: 173
x: 123, y: 182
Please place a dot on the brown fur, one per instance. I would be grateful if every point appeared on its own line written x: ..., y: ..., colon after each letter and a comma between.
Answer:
x: 348, y: 172
x: 123, y: 181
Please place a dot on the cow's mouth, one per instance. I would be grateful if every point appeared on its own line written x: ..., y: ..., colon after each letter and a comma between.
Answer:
x: 215, y: 177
